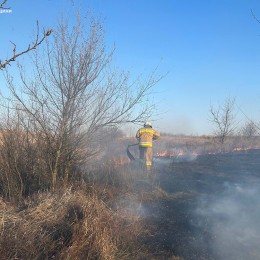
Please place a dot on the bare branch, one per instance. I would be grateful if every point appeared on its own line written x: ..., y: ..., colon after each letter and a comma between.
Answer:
x: 35, y: 44
x: 253, y: 14
x: 2, y: 5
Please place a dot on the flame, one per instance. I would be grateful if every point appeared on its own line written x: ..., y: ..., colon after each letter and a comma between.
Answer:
x: 163, y: 154
x: 179, y: 152
x: 174, y: 153
x: 242, y: 149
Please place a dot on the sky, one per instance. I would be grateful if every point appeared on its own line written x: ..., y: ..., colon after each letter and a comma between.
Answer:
x: 208, y: 50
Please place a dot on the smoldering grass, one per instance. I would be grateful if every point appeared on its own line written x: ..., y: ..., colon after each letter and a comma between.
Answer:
x: 233, y: 219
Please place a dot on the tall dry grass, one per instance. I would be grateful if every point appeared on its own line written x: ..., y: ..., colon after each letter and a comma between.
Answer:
x: 67, y: 225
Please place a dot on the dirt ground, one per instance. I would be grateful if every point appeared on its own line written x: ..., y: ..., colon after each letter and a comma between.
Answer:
x: 211, y: 209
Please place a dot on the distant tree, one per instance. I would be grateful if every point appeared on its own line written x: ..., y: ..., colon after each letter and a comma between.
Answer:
x: 74, y: 95
x: 250, y: 129
x: 222, y: 117
x: 37, y: 41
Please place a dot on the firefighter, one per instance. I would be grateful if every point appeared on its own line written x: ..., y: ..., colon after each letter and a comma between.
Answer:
x: 146, y: 136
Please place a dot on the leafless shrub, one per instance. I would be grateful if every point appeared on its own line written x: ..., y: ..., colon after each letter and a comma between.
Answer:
x: 223, y: 119
x: 73, y: 96
x: 23, y: 169
x: 250, y: 130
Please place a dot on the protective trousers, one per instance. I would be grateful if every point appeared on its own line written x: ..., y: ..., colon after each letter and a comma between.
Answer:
x: 146, y: 154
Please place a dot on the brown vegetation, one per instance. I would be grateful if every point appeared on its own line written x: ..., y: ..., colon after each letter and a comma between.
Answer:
x: 66, y: 191
x: 101, y: 215
x: 65, y: 225
x: 61, y: 196
x: 73, y: 100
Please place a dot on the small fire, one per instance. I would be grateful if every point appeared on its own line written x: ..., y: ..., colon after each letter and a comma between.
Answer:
x: 178, y: 152
x: 163, y: 154
x: 242, y: 149
x: 175, y: 153
x: 236, y: 149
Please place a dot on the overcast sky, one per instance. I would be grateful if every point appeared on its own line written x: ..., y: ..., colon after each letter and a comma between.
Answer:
x: 209, y: 48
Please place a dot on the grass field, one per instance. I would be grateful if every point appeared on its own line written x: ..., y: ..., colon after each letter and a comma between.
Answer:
x: 201, y: 207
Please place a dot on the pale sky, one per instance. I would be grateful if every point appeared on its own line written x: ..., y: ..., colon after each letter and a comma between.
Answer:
x: 210, y: 49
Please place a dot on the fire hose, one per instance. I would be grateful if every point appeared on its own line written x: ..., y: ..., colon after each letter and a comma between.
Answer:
x: 130, y: 156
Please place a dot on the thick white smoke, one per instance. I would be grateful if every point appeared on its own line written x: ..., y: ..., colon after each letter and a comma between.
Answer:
x: 233, y: 219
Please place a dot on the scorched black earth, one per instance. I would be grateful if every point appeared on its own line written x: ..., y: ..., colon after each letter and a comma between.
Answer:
x: 212, y: 208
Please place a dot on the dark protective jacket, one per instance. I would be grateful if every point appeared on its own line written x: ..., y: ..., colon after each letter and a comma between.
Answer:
x: 146, y: 136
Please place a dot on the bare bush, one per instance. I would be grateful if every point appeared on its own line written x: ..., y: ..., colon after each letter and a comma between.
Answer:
x: 250, y: 130
x: 73, y: 95
x: 22, y: 170
x: 223, y: 119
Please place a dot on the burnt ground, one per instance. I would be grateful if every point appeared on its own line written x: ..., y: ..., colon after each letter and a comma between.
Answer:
x: 211, y: 211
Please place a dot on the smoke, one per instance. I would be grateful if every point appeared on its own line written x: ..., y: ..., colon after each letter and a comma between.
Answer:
x: 130, y: 206
x: 232, y: 218
x: 188, y: 157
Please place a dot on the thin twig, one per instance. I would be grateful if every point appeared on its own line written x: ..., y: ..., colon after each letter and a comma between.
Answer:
x: 34, y: 46
x: 2, y: 5
x: 254, y: 16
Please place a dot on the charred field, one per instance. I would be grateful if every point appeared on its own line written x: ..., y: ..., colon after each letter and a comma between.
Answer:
x: 211, y: 209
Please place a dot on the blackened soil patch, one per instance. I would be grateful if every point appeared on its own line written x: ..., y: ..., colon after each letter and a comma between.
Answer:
x: 211, y: 211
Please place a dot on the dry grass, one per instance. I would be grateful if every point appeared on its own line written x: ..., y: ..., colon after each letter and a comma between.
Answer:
x: 69, y: 225
x: 100, y: 219
x: 130, y: 181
